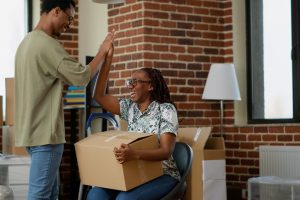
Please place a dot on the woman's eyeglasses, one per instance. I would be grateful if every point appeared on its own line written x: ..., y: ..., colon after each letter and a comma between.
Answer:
x: 133, y: 82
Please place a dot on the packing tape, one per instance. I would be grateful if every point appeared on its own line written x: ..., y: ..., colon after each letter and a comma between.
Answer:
x: 114, y: 137
x: 197, y: 134
x: 141, y: 171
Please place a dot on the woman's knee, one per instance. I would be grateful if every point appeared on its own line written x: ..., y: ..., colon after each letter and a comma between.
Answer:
x: 126, y: 196
x: 97, y: 193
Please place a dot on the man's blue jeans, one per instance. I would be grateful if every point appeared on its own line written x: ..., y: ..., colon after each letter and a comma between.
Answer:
x: 43, y: 178
x: 151, y: 190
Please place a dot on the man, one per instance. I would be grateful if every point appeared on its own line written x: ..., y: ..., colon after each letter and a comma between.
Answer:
x: 42, y: 66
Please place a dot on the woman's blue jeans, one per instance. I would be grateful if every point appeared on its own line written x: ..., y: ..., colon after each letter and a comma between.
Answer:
x: 43, y: 177
x: 152, y: 190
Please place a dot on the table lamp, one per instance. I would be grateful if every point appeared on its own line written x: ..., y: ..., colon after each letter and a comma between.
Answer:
x: 221, y: 84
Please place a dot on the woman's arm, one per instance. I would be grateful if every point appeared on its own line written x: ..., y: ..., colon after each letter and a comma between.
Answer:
x: 163, y: 152
x: 108, y: 102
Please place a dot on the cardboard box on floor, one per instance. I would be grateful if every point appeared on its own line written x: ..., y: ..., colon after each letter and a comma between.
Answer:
x: 98, y: 166
x: 207, y: 177
x: 8, y: 142
x: 9, y: 101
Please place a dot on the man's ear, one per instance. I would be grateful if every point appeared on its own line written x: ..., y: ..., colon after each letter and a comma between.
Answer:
x: 56, y: 11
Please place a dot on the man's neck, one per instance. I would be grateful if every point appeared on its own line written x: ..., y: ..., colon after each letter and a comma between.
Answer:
x: 43, y: 26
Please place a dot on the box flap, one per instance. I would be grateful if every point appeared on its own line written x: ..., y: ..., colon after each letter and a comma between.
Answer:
x: 214, y: 149
x: 215, y: 143
x: 195, y: 137
x: 149, y: 142
x: 111, y: 138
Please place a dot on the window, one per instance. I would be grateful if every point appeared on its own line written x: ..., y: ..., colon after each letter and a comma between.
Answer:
x: 273, y: 61
x: 15, y: 19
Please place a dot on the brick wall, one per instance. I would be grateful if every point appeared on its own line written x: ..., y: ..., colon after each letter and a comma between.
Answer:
x: 182, y: 38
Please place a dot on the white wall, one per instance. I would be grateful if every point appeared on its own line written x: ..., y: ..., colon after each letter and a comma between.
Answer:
x: 36, y: 12
x: 92, y: 27
x: 239, y: 55
x: 92, y: 30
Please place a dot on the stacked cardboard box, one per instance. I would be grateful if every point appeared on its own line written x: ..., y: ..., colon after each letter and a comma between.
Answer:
x: 9, y: 100
x: 8, y: 144
x: 8, y: 133
x: 207, y: 178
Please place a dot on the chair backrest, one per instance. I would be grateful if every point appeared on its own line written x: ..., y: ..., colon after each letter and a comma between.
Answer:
x: 96, y: 115
x: 183, y: 156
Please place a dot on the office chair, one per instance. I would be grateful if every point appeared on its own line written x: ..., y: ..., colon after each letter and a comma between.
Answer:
x: 183, y: 156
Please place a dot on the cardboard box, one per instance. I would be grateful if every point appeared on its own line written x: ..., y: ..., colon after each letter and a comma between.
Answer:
x: 98, y: 166
x: 9, y: 108
x: 214, y: 170
x: 8, y: 142
x: 207, y: 178
x: 1, y: 110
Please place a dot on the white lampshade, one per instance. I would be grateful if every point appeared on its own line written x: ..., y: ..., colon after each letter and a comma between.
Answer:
x: 221, y: 83
x: 108, y: 1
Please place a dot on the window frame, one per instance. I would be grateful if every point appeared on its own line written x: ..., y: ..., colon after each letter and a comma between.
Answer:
x: 29, y: 14
x: 295, y: 55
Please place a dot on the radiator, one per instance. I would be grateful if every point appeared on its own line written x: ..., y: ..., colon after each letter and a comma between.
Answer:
x: 282, y: 161
x: 279, y: 170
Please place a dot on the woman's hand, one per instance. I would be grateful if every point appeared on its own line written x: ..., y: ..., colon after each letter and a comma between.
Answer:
x: 162, y: 152
x: 124, y: 153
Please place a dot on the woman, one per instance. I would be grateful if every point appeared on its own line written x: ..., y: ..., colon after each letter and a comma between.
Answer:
x: 149, y: 110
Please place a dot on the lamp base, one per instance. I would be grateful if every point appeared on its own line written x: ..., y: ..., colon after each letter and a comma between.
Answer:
x: 221, y: 118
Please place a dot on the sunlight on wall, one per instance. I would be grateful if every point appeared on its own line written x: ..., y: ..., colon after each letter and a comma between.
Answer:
x: 12, y: 20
